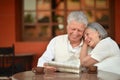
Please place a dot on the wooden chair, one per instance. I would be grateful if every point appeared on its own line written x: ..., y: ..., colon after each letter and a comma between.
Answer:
x: 7, y: 61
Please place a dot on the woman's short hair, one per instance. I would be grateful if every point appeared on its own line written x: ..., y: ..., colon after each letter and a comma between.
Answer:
x: 96, y: 26
x: 78, y: 16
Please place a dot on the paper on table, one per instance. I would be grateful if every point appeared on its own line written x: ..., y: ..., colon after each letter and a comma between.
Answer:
x: 65, y: 67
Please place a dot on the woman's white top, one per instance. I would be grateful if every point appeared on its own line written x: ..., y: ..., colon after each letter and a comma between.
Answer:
x: 107, y: 53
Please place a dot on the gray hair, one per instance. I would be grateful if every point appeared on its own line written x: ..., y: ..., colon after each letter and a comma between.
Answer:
x: 78, y: 16
x: 96, y: 26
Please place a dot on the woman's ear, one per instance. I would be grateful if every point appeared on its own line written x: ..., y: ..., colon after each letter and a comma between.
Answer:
x: 99, y: 35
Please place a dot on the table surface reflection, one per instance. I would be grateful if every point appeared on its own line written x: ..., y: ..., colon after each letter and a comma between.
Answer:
x: 101, y: 75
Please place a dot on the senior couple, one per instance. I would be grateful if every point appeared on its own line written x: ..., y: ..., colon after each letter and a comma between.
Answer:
x: 88, y: 43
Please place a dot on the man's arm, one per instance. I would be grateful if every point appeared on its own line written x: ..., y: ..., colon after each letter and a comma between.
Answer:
x: 48, y: 55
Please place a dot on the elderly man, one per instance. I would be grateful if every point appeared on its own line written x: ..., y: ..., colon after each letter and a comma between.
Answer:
x: 63, y: 48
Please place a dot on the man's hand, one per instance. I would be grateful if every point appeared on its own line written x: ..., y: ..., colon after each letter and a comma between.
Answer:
x: 49, y: 69
x: 38, y: 70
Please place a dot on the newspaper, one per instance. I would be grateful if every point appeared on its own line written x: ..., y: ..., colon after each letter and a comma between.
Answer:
x: 66, y: 66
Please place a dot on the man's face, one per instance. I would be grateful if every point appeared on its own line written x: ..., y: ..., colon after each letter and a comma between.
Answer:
x: 75, y: 31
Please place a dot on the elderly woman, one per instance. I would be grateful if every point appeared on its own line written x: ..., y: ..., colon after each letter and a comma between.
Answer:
x: 104, y: 53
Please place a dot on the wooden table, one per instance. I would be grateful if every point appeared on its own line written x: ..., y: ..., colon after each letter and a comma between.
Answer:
x: 101, y: 75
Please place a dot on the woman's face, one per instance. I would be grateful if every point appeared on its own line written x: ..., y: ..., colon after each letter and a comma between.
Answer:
x: 75, y: 31
x: 91, y: 37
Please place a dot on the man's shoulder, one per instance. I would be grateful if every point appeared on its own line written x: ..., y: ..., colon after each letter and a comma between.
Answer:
x: 61, y: 36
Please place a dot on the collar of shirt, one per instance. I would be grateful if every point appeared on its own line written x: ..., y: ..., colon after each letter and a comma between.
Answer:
x: 75, y: 49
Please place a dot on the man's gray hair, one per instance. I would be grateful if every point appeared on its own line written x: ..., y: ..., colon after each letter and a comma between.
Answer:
x: 96, y: 26
x: 78, y: 16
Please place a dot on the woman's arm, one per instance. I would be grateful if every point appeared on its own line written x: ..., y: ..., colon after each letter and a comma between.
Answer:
x: 85, y: 58
x: 83, y: 53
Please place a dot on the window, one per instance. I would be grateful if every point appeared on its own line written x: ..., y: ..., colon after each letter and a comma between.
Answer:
x: 44, y: 19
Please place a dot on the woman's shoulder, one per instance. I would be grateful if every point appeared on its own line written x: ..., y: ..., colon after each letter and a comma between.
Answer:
x: 108, y: 42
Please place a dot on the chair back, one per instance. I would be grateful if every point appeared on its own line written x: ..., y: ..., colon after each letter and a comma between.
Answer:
x: 7, y: 50
x: 6, y: 60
